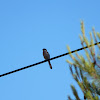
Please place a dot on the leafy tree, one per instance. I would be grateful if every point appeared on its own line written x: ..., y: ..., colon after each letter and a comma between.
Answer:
x: 86, y: 70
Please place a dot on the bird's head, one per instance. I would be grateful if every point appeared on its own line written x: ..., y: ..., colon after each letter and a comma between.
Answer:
x: 44, y: 49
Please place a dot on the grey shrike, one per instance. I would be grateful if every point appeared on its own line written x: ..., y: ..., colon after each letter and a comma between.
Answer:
x: 47, y: 56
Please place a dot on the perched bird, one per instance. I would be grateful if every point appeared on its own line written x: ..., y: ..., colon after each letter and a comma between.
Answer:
x: 47, y: 56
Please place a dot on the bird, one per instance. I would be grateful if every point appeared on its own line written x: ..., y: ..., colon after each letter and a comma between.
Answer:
x: 46, y: 56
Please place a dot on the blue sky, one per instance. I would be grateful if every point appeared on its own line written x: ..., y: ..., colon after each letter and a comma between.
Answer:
x: 28, y: 26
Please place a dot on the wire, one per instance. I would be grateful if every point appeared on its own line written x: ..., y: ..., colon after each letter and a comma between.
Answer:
x: 46, y: 60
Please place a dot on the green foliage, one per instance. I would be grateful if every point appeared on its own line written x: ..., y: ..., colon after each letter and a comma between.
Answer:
x: 84, y: 69
x: 75, y: 92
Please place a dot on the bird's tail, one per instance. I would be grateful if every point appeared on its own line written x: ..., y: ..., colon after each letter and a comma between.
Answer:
x: 50, y: 64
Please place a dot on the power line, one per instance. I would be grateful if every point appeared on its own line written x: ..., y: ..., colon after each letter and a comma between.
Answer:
x: 46, y: 60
